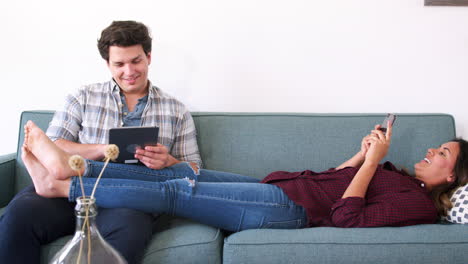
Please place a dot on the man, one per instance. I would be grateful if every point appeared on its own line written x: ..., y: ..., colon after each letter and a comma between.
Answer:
x: 82, y: 126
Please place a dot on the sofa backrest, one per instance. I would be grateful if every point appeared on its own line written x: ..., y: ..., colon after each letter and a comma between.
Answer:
x: 256, y: 144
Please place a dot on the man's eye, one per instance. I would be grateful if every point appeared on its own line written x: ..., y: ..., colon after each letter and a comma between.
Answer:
x: 136, y: 62
x: 442, y: 153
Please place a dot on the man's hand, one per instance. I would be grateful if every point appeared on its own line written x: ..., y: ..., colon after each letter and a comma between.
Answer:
x: 155, y: 157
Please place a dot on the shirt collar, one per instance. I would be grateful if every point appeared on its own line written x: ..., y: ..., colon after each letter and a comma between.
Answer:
x: 389, y: 166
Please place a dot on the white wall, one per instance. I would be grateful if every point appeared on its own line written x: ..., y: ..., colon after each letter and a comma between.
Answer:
x: 246, y: 55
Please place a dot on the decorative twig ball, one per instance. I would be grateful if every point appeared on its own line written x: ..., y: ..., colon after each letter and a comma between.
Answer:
x: 76, y: 162
x: 111, y: 152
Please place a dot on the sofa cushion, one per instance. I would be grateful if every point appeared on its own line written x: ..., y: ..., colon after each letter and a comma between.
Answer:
x: 183, y: 241
x: 412, y: 244
x: 176, y: 241
x: 256, y: 144
x: 459, y: 212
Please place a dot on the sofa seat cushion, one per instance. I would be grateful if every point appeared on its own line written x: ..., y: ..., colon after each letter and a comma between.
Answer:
x: 184, y: 241
x: 48, y: 251
x: 438, y: 243
x: 176, y: 240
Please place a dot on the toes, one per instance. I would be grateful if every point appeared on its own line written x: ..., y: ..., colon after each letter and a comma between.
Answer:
x: 24, y: 152
x: 30, y: 124
x: 24, y: 149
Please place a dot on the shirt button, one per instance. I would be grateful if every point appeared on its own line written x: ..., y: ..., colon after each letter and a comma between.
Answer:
x: 422, y: 185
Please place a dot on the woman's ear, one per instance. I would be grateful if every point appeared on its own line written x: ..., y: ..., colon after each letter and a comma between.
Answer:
x: 451, y: 178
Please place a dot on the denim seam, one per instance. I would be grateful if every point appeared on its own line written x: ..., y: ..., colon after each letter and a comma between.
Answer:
x: 246, y: 202
x: 71, y: 191
x: 243, y: 201
x: 138, y: 187
x: 88, y: 168
x: 126, y: 169
x: 241, y: 220
x: 218, y: 198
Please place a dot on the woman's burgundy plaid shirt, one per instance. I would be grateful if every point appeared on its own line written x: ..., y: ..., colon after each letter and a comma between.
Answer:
x: 393, y: 197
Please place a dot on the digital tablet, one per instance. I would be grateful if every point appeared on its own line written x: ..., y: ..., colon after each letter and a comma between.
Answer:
x: 128, y: 139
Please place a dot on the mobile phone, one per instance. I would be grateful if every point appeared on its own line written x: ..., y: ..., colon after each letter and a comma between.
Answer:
x: 389, y: 117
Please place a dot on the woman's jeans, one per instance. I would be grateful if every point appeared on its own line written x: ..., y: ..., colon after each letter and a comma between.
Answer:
x: 220, y: 199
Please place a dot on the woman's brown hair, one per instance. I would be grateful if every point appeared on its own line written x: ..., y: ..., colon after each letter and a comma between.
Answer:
x: 442, y: 193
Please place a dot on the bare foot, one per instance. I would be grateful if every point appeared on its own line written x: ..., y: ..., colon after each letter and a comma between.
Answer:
x: 33, y: 165
x: 54, y: 159
x: 45, y: 185
x: 26, y: 136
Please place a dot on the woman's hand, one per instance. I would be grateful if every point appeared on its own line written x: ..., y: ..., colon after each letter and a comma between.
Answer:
x: 365, y: 144
x: 376, y: 147
x: 379, y: 143
x: 359, y: 158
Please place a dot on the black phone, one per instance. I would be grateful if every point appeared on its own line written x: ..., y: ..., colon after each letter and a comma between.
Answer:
x: 389, y: 117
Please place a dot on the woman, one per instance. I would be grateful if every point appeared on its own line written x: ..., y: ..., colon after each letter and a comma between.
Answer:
x: 358, y: 193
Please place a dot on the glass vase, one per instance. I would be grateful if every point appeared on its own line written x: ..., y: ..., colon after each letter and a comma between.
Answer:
x: 87, y: 245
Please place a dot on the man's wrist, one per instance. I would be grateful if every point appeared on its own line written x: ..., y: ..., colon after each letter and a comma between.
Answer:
x: 172, y: 161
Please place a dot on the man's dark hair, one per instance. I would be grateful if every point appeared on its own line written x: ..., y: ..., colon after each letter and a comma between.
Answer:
x: 124, y: 34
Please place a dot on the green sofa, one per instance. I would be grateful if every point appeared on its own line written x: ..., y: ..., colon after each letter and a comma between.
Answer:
x: 258, y: 143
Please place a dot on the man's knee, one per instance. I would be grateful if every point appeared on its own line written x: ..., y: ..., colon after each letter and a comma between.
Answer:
x: 23, y: 210
x: 35, y: 219
x: 126, y: 222
x: 127, y: 230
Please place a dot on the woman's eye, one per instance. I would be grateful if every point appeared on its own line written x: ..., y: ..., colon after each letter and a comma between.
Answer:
x: 442, y: 153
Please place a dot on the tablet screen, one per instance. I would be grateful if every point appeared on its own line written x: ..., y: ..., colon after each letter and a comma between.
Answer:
x: 128, y: 139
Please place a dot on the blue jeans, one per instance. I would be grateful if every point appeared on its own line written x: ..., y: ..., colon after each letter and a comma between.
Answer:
x: 225, y: 200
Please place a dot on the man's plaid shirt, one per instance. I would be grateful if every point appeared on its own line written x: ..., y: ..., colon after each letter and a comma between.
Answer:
x: 90, y: 112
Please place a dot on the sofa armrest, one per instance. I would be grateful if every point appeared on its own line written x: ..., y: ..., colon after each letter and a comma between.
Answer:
x: 7, y: 178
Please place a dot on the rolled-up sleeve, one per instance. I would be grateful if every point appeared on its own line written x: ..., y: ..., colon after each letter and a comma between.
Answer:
x: 185, y: 145
x: 348, y: 212
x: 392, y: 209
x: 66, y: 122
